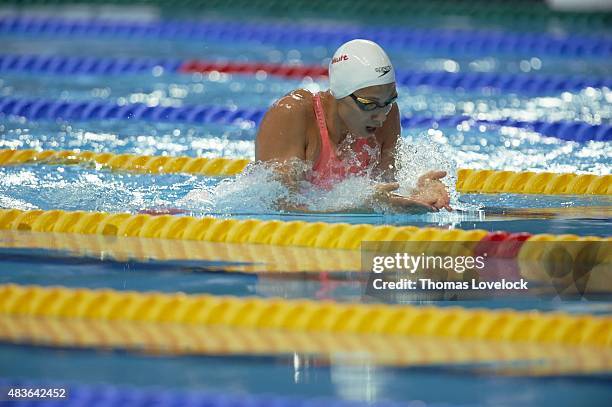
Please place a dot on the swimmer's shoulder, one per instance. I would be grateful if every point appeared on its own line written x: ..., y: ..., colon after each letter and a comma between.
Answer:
x: 284, y: 130
x: 297, y: 102
x: 294, y: 110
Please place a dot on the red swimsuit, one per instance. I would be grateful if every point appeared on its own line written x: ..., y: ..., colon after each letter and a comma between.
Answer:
x: 328, y: 168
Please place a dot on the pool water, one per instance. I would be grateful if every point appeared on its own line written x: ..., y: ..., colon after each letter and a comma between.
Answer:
x: 252, y: 195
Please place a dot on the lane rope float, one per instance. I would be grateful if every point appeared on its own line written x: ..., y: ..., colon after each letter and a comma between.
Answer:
x: 129, y: 162
x: 306, y: 315
x: 175, y: 339
x: 507, y: 82
x: 482, y: 42
x: 512, y: 256
x: 227, y: 257
x: 273, y: 232
x: 43, y: 109
x: 527, y: 182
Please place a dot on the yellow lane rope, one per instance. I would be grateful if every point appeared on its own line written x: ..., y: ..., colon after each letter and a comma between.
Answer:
x: 535, y: 358
x: 128, y: 162
x: 257, y: 246
x: 547, y: 183
x: 272, y: 232
x: 306, y: 315
x: 468, y: 180
x: 238, y: 257
x: 267, y: 260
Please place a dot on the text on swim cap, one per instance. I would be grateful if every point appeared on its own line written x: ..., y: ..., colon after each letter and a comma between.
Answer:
x: 383, y: 70
x: 342, y: 57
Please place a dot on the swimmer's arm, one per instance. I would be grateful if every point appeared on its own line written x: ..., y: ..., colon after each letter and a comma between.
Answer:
x: 282, y: 132
x: 281, y: 140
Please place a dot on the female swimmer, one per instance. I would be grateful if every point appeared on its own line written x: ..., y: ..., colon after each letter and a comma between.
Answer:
x: 350, y: 130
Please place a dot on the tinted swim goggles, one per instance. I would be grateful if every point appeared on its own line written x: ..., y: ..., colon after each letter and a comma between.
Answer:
x: 369, y: 105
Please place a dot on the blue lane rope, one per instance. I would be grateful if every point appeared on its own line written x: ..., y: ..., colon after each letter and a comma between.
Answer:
x: 448, y: 41
x: 40, y: 109
x: 108, y: 395
x: 77, y: 65
x: 73, y: 65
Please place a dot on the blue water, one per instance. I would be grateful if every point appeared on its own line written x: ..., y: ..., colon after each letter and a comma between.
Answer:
x: 60, y: 187
x: 466, y: 146
x: 279, y: 375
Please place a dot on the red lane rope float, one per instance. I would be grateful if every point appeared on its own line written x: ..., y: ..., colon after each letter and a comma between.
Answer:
x: 502, y: 244
x: 285, y: 71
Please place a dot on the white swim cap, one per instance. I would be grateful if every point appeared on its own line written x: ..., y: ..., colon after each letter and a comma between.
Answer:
x: 358, y: 64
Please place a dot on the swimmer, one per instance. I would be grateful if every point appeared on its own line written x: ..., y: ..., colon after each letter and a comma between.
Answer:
x: 358, y: 112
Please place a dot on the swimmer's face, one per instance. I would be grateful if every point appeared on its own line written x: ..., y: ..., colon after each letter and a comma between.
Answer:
x: 354, y: 109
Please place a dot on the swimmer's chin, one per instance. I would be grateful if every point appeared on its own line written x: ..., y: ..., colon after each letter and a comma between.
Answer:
x: 369, y: 131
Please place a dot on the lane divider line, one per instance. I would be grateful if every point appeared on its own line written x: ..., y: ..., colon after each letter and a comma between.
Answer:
x: 471, y: 81
x: 306, y: 315
x: 41, y: 109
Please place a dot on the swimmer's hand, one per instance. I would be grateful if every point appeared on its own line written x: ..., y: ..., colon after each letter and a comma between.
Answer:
x: 431, y: 191
x: 384, y: 194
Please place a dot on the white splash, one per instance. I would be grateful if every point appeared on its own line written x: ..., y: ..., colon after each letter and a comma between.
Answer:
x: 260, y: 188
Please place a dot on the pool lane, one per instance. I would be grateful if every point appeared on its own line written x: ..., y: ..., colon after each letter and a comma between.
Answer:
x: 74, y: 270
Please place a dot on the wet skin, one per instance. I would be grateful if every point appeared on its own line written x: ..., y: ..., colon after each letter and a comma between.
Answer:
x: 289, y: 131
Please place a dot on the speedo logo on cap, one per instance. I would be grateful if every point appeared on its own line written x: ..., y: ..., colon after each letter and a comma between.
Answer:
x: 383, y: 70
x: 341, y: 58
